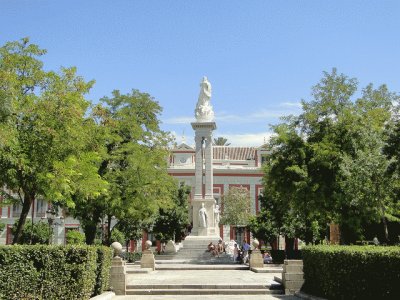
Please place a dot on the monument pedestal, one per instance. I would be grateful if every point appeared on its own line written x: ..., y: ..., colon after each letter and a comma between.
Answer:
x: 212, y: 228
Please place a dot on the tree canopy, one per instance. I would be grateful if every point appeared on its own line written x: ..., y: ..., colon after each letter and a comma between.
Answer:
x: 328, y: 163
x: 98, y: 161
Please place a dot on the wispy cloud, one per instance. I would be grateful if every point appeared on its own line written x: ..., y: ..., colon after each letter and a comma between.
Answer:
x: 179, y: 120
x: 237, y: 140
x: 247, y: 139
x: 291, y: 104
x: 247, y: 117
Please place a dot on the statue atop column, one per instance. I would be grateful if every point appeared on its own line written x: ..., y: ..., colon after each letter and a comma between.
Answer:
x: 202, y: 216
x: 204, y: 111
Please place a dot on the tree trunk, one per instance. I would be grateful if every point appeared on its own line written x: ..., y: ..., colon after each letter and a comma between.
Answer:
x: 108, y: 239
x: 90, y: 230
x: 385, y: 229
x: 385, y: 226
x: 26, y: 206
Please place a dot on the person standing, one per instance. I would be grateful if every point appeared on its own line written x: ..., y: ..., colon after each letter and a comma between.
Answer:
x: 235, y: 252
x: 245, y: 248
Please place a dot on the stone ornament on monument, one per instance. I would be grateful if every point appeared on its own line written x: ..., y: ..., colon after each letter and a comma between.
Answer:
x: 203, y: 216
x: 204, y: 111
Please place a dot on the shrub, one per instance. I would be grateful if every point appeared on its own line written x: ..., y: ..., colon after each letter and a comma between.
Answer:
x: 131, y: 257
x: 39, y: 233
x: 104, y: 257
x: 74, y: 237
x: 352, y: 272
x: 51, y: 272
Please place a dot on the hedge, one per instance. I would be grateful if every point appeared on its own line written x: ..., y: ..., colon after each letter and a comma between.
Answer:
x: 53, y: 272
x: 352, y: 272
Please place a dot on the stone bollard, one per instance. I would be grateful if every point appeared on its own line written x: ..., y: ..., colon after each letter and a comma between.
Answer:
x: 256, y: 259
x: 292, y: 276
x: 148, y: 260
x: 117, y: 273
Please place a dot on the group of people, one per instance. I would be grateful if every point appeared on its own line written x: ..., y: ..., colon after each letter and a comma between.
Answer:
x: 239, y: 253
x: 217, y: 249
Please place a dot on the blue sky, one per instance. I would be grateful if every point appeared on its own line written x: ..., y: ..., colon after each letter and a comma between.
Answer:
x: 261, y: 57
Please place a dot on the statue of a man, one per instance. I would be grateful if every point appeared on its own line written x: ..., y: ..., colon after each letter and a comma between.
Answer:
x: 202, y: 216
x: 204, y: 110
x: 216, y: 214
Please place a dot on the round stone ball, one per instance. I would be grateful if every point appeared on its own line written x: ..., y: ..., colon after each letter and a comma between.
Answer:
x: 148, y: 244
x: 255, y: 243
x: 117, y: 247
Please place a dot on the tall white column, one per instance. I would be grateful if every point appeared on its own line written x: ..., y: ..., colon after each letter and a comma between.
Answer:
x: 198, y: 189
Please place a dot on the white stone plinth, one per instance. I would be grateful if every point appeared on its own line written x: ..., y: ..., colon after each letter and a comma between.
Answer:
x: 118, y: 276
x: 256, y: 259
x: 147, y: 260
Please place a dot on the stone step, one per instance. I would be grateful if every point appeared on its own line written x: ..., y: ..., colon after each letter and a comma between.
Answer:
x: 230, y: 291
x: 197, y: 286
x: 167, y: 267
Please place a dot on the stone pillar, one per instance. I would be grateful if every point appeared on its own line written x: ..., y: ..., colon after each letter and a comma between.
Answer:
x: 118, y: 276
x: 204, y: 177
x: 292, y: 276
x: 256, y: 259
x: 208, y: 157
x: 198, y: 188
x: 147, y: 260
x: 117, y: 272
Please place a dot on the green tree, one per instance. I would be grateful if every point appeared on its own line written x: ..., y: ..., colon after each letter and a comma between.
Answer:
x: 236, y: 208
x: 327, y: 164
x: 41, y: 127
x: 133, y: 163
x: 221, y: 141
x: 172, y: 222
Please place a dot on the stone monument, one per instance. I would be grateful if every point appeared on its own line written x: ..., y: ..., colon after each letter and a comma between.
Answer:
x: 204, y: 223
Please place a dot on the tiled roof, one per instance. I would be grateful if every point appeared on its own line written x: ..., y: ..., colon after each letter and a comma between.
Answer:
x: 234, y: 153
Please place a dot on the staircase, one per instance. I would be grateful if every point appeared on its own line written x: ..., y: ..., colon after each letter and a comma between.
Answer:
x: 202, y: 280
x: 194, y: 250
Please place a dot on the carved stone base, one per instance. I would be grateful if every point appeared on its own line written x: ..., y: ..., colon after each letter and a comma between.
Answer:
x: 256, y: 259
x: 118, y: 276
x: 148, y: 260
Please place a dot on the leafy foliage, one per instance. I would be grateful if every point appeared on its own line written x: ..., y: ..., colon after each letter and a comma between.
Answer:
x: 221, y: 141
x: 373, y: 272
x: 327, y: 165
x: 171, y: 223
x: 41, y: 127
x: 74, y: 237
x: 53, y: 272
x: 40, y: 233
x: 236, y: 206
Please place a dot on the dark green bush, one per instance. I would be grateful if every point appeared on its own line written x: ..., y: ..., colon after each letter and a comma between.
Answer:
x: 104, y: 257
x: 131, y: 257
x: 278, y: 256
x: 352, y: 272
x: 51, y: 272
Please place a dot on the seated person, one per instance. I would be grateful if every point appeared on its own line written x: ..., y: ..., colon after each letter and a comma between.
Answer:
x: 267, y: 258
x: 220, y: 247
